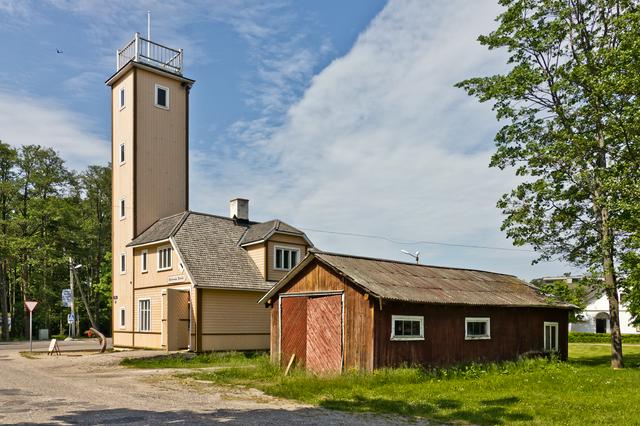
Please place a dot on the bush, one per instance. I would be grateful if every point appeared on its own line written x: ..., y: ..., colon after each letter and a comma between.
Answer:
x: 601, y: 338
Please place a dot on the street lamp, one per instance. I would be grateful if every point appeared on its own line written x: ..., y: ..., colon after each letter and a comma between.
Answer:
x: 415, y: 255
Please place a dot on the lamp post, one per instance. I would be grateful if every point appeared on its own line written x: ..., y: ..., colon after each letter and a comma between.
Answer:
x: 415, y: 255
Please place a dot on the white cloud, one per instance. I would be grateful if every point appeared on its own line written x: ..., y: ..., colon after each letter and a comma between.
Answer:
x: 43, y: 122
x: 382, y: 143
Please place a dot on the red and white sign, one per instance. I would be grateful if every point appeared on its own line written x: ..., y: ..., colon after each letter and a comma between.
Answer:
x: 30, y: 305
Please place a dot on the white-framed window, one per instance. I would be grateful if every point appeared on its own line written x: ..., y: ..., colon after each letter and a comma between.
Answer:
x: 144, y: 314
x: 477, y: 328
x: 551, y: 336
x: 122, y: 209
x: 285, y: 258
x: 407, y: 327
x: 121, y: 154
x: 121, y: 98
x: 164, y: 258
x: 143, y: 261
x: 122, y: 317
x: 123, y: 263
x: 162, y: 97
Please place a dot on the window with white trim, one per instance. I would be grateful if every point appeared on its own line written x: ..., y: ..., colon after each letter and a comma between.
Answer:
x: 477, y: 328
x: 121, y: 153
x: 123, y: 263
x: 407, y: 327
x: 285, y: 258
x: 144, y: 314
x: 143, y: 260
x: 122, y: 209
x: 121, y: 98
x: 122, y: 317
x: 550, y: 336
x: 162, y: 97
x: 164, y: 258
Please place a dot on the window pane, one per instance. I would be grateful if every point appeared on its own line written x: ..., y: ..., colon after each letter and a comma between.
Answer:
x: 123, y: 264
x: 162, y: 97
x: 122, y: 153
x: 415, y: 328
x: 278, y: 258
x: 122, y: 97
x: 553, y: 338
x: 294, y: 258
x: 285, y: 259
x: 398, y: 328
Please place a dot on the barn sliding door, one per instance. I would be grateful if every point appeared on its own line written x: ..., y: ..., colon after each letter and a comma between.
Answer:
x: 324, y: 334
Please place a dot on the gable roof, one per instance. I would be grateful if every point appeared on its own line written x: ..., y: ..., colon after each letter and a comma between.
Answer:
x: 262, y: 231
x: 210, y: 247
x: 410, y: 282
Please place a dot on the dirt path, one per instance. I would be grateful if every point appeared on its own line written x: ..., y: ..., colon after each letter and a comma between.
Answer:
x: 94, y: 389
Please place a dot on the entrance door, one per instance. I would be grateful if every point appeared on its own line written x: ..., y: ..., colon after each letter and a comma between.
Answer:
x: 551, y: 336
x: 176, y: 319
x: 324, y: 334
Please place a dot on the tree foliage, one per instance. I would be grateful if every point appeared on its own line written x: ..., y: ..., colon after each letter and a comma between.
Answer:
x: 49, y: 214
x: 571, y: 113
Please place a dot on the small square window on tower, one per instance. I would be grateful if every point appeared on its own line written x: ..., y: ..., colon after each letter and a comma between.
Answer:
x: 121, y: 98
x: 162, y: 97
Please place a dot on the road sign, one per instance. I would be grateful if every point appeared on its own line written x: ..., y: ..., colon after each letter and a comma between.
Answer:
x: 30, y: 305
x: 66, y: 297
x: 71, y: 318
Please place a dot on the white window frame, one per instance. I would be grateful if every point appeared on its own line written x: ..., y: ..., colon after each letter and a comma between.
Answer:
x: 155, y: 96
x: 159, y: 255
x: 144, y: 261
x: 122, y: 317
x: 544, y: 335
x: 287, y: 248
x: 122, y: 98
x: 122, y: 154
x: 122, y: 209
x: 123, y: 262
x: 140, y: 316
x: 395, y: 318
x: 485, y: 320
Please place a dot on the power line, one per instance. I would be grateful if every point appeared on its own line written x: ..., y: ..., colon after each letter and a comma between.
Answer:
x: 407, y: 242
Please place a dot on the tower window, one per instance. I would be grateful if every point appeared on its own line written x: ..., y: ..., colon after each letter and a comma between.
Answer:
x: 162, y: 97
x: 123, y: 263
x: 121, y: 98
x: 121, y: 153
x: 123, y: 210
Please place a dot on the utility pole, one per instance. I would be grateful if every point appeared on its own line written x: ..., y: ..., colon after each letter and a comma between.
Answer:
x: 73, y: 300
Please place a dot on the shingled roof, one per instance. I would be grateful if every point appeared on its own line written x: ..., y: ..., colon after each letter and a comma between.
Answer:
x: 210, y: 248
x: 409, y: 282
x: 262, y: 231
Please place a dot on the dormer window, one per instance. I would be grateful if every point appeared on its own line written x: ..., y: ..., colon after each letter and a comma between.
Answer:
x: 286, y: 258
x: 162, y: 97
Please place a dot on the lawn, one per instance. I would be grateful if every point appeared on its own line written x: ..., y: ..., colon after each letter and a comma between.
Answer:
x: 582, y: 391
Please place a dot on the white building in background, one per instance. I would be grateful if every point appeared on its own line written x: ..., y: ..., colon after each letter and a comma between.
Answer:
x: 595, y: 317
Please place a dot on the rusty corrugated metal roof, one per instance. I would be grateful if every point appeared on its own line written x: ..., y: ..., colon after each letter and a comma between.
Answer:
x: 409, y: 282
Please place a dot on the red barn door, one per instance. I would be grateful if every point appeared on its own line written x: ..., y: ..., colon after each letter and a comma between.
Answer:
x: 324, y: 334
x: 294, y: 329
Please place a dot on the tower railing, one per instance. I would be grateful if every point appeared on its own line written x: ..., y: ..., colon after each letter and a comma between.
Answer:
x: 146, y: 51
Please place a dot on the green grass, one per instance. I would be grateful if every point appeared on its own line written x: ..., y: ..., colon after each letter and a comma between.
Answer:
x: 601, y: 338
x: 584, y: 390
x: 189, y: 360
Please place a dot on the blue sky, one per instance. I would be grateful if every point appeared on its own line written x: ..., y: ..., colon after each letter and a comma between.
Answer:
x: 331, y: 115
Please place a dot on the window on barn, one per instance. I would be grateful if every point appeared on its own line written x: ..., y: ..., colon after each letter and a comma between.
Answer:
x: 404, y: 327
x: 477, y: 328
x: 162, y: 97
x: 286, y: 258
x: 164, y: 258
x: 551, y: 336
x: 144, y: 309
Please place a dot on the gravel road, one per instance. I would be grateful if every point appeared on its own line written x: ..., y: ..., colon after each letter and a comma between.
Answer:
x: 87, y: 388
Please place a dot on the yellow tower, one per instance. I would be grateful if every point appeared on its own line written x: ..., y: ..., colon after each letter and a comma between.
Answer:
x: 150, y: 162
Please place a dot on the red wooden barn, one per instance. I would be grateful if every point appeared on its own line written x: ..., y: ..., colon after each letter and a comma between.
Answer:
x: 337, y: 312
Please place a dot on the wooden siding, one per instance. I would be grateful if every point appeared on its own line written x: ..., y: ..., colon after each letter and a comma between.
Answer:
x: 514, y: 331
x: 258, y: 255
x: 357, y: 335
x: 294, y: 330
x: 161, y: 173
x: 324, y: 334
x: 153, y: 277
x: 282, y: 240
x: 233, y: 320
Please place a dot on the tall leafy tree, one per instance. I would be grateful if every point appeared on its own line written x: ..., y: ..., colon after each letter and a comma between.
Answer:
x: 571, y: 115
x: 8, y: 159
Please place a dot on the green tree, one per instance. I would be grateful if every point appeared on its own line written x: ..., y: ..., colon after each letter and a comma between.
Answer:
x: 8, y: 158
x: 571, y: 115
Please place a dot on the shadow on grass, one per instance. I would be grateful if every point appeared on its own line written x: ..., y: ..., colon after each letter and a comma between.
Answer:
x: 491, y: 412
x: 630, y: 360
